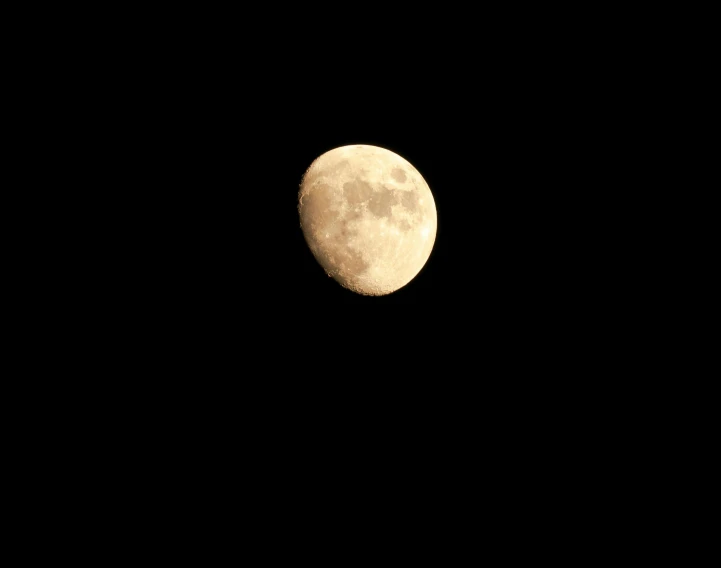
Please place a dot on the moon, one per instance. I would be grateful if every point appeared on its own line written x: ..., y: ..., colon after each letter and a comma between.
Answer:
x: 368, y: 217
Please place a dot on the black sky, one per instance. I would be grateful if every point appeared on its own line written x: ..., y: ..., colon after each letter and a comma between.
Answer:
x: 219, y: 318
x: 512, y: 128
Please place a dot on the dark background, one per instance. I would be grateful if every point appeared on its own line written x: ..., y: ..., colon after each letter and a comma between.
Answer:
x: 522, y: 125
x: 216, y: 346
x: 517, y: 139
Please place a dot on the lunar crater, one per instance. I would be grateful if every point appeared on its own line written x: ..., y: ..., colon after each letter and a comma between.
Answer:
x: 409, y: 200
x: 381, y: 201
x: 399, y: 175
x: 357, y: 191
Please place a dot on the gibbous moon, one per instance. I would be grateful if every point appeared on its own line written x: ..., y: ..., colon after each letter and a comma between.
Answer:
x: 369, y: 218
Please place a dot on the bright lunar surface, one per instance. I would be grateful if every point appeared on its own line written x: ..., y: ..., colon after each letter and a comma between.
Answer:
x: 369, y: 218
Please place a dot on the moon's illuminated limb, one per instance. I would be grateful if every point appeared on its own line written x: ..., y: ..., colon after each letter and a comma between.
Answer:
x: 368, y: 216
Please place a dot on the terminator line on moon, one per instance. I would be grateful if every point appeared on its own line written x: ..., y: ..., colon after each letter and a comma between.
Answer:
x: 368, y: 217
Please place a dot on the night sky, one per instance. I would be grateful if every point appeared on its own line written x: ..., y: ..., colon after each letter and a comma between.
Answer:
x: 515, y: 136
x: 229, y: 340
x: 521, y: 196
